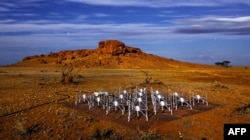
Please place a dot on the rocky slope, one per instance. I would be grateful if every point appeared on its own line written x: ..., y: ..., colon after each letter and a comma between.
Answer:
x: 109, y: 54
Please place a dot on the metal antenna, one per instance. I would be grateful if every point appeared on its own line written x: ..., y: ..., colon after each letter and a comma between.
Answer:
x: 160, y: 100
x: 138, y: 103
x: 199, y: 98
x: 117, y: 101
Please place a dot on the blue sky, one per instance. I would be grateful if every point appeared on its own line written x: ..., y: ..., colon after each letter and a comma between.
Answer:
x: 198, y: 31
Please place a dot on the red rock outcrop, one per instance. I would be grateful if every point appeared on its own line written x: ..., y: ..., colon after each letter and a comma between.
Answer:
x: 115, y: 47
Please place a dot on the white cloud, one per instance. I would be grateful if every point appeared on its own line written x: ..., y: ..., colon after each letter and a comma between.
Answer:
x: 110, y: 2
x: 82, y: 17
x: 45, y: 26
x: 23, y: 14
x: 4, y: 9
x: 43, y: 33
x: 160, y: 3
x: 101, y: 15
x: 48, y: 36
x: 235, y: 19
x: 47, y: 30
x: 7, y: 21
x: 223, y: 25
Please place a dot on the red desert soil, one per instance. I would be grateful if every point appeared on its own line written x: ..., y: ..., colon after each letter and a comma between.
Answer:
x: 140, y: 122
x: 36, y: 104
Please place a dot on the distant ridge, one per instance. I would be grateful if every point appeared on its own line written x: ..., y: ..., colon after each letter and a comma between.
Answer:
x: 109, y: 54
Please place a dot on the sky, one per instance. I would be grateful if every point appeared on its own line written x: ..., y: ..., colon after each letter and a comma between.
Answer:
x: 198, y: 31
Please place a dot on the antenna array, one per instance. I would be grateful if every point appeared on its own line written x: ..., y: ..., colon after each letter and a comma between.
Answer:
x: 136, y: 103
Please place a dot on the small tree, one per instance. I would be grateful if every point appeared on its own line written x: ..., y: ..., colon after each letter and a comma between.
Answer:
x: 68, y: 74
x: 218, y: 63
x: 148, y: 78
x: 223, y: 63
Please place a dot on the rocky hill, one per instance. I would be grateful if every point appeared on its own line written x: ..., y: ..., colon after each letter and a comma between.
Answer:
x: 109, y: 54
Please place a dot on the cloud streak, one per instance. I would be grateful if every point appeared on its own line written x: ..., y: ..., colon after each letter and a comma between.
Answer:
x: 46, y: 25
x: 224, y: 25
x: 160, y: 3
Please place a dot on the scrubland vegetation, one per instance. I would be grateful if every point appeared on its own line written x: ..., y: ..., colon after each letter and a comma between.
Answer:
x: 35, y: 104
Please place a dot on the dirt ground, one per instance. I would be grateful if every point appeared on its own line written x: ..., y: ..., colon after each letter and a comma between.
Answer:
x: 154, y: 120
x: 34, y: 104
